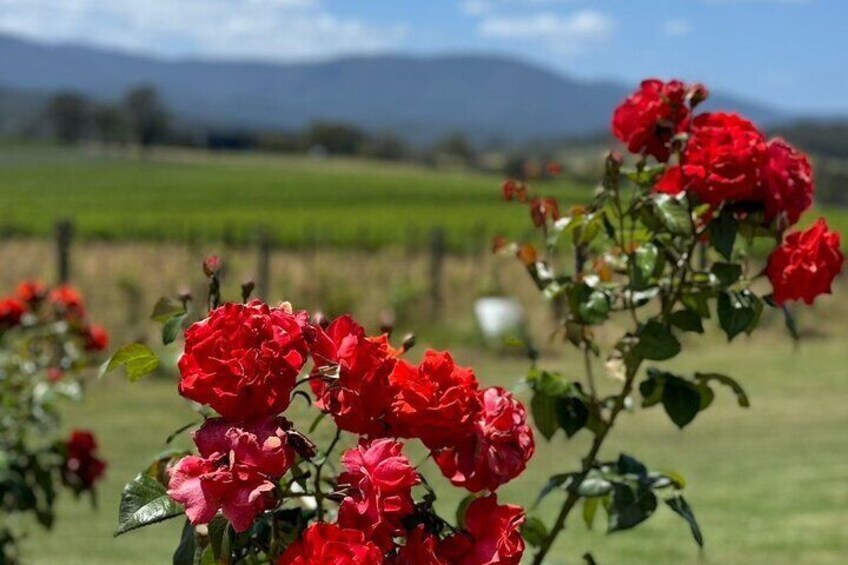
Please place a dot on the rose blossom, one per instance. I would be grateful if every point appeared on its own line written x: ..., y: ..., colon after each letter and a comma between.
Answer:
x: 68, y: 301
x: 82, y: 467
x: 492, y: 535
x: 96, y: 338
x: 328, y: 544
x: 30, y: 292
x: 235, y: 472
x: 650, y: 117
x: 243, y: 360
x: 787, y: 189
x: 435, y: 401
x: 722, y: 161
x: 11, y: 312
x: 360, y: 366
x: 499, y: 449
x: 805, y: 264
x: 378, y: 481
x: 421, y: 548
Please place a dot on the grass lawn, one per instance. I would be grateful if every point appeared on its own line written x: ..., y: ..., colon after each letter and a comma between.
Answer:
x: 768, y: 484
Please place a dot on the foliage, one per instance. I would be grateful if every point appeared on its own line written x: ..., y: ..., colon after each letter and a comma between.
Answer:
x: 47, y: 347
x: 664, y: 245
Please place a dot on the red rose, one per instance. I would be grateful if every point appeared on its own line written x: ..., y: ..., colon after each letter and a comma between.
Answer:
x: 492, y: 535
x: 421, y: 548
x: 96, y: 338
x: 328, y: 544
x: 236, y: 471
x: 378, y: 482
x: 787, y: 189
x: 499, y: 449
x: 82, y: 467
x: 435, y: 401
x: 722, y: 161
x: 68, y: 301
x: 355, y: 366
x: 805, y: 264
x: 650, y: 117
x: 243, y: 360
x: 11, y: 312
x: 30, y: 292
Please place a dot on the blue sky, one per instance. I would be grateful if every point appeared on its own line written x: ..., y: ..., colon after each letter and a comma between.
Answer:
x: 791, y: 53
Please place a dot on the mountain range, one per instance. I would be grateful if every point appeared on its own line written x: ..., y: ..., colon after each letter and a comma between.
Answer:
x: 490, y: 98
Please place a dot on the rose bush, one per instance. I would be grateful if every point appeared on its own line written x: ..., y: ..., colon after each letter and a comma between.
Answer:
x: 258, y: 489
x: 668, y: 242
x: 47, y: 350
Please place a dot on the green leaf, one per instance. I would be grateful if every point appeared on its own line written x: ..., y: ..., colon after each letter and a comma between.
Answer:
x: 595, y: 308
x: 167, y: 308
x: 630, y: 506
x: 217, y: 529
x: 681, y: 400
x: 572, y: 414
x: 145, y: 501
x: 656, y: 342
x: 171, y: 329
x: 555, y: 482
x: 534, y: 531
x: 184, y: 555
x: 138, y: 360
x: 673, y: 214
x: 544, y: 409
x: 687, y: 320
x: 727, y: 273
x: 462, y: 508
x: 651, y: 390
x: 592, y: 486
x: 697, y: 302
x: 741, y: 396
x: 590, y: 509
x: 646, y: 257
x: 789, y: 321
x: 682, y: 508
x: 736, y: 312
x: 723, y: 234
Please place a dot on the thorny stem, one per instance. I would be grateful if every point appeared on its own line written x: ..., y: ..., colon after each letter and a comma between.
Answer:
x: 319, y: 494
x: 571, y: 500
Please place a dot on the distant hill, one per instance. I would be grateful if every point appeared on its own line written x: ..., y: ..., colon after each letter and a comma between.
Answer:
x: 491, y: 98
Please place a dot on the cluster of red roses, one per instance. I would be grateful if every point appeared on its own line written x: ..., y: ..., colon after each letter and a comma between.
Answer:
x: 244, y: 360
x: 82, y: 468
x: 33, y: 303
x: 724, y: 161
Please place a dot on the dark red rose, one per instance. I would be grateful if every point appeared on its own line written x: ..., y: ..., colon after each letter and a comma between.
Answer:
x: 31, y: 292
x: 421, y: 548
x: 378, y: 484
x: 354, y: 387
x: 436, y: 401
x: 67, y: 301
x: 82, y: 468
x: 787, y: 188
x: 499, y: 449
x: 235, y: 473
x: 492, y: 535
x: 328, y: 544
x: 650, y: 117
x: 243, y: 360
x: 96, y: 338
x: 542, y: 210
x: 722, y: 161
x: 11, y: 312
x: 212, y: 265
x: 805, y: 264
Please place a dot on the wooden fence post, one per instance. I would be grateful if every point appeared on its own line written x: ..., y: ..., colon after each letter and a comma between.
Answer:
x: 438, y: 249
x: 64, y: 237
x: 263, y: 266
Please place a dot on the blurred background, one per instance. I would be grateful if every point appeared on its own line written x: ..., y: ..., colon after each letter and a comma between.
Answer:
x: 346, y: 155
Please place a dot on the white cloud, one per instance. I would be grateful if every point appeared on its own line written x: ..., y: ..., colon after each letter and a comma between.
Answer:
x: 486, y: 7
x: 568, y: 34
x: 677, y: 27
x: 267, y: 29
